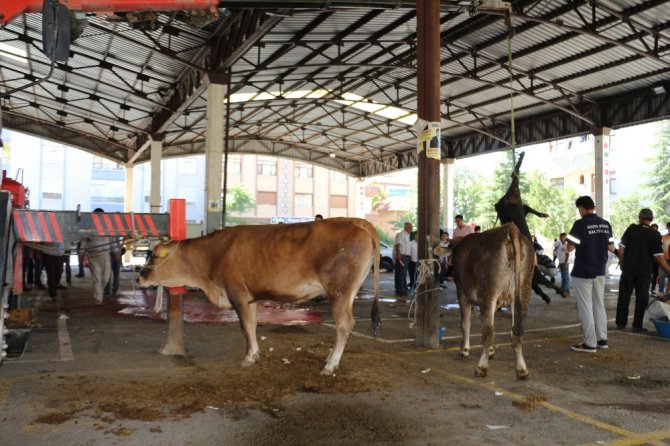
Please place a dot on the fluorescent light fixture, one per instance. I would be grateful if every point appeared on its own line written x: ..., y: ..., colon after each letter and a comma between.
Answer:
x: 659, y: 89
x: 332, y: 155
x: 10, y: 52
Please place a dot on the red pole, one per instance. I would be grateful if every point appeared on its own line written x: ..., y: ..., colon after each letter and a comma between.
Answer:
x: 175, y: 316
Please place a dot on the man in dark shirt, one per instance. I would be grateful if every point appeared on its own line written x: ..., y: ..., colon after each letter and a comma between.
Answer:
x: 591, y: 238
x: 639, y: 244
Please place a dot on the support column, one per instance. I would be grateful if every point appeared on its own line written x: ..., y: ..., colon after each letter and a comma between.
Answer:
x: 214, y: 151
x: 128, y: 203
x: 156, y: 157
x: 602, y: 186
x: 428, y: 76
x: 448, y: 199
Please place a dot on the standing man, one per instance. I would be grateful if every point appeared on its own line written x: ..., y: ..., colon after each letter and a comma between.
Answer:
x: 663, y: 282
x: 638, y: 244
x: 402, y: 256
x: 563, y: 257
x: 461, y: 230
x: 96, y: 252
x: 591, y: 237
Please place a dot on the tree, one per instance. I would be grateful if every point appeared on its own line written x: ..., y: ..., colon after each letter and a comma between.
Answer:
x: 659, y: 178
x: 559, y: 204
x: 238, y: 201
x: 623, y: 213
x: 468, y: 190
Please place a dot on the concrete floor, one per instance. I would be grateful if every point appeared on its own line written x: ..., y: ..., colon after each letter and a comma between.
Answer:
x: 416, y: 396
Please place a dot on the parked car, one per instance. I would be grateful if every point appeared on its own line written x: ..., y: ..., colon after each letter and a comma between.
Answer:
x: 386, y: 253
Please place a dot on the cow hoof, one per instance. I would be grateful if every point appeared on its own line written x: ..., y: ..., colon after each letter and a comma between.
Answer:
x: 547, y: 299
x: 247, y: 362
x: 464, y: 353
x: 522, y: 374
x: 327, y: 372
x: 480, y: 372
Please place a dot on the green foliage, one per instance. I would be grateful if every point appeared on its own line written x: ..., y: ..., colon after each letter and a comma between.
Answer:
x: 389, y: 240
x: 559, y: 204
x: 623, y: 213
x: 380, y: 201
x: 238, y: 201
x: 468, y: 191
x: 659, y: 177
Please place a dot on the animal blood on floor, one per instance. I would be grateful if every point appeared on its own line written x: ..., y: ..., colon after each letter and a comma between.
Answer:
x: 197, y: 308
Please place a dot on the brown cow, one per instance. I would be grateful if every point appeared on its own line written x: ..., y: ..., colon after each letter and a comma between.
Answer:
x: 492, y: 269
x: 238, y: 266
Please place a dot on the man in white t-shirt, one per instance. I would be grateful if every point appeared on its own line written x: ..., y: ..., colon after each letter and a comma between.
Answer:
x: 402, y: 253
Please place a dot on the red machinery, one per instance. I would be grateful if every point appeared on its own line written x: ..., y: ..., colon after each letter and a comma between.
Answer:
x: 19, y: 193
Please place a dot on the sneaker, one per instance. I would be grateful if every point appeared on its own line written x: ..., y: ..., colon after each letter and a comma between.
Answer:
x: 602, y: 344
x: 583, y: 348
x: 640, y: 330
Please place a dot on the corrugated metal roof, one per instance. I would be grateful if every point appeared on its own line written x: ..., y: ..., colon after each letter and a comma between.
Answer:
x: 122, y: 85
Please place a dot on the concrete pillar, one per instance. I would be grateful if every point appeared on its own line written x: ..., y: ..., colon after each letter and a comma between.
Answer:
x: 128, y: 202
x: 602, y: 186
x: 155, y: 193
x: 216, y: 95
x: 448, y: 198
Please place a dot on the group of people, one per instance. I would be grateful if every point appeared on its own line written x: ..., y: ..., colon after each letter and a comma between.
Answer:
x: 406, y: 252
x: 102, y: 255
x: 591, y: 239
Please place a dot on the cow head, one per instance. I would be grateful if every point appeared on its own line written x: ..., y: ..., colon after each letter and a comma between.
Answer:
x: 159, y: 269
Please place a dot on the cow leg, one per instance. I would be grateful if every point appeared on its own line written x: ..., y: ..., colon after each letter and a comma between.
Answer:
x: 488, y: 332
x: 342, y: 310
x: 466, y: 316
x: 247, y: 312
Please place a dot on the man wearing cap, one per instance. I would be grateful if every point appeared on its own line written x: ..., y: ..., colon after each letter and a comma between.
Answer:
x: 590, y: 238
x: 638, y: 244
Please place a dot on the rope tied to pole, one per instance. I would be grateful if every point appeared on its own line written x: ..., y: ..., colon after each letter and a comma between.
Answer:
x: 424, y: 270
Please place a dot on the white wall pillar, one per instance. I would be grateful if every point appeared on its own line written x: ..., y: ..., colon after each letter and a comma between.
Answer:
x: 216, y: 93
x: 128, y: 202
x: 156, y: 157
x: 448, y: 197
x: 602, y: 186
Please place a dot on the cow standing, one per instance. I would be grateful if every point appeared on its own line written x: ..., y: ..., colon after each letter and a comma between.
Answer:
x: 508, y: 259
x: 238, y: 266
x: 510, y: 208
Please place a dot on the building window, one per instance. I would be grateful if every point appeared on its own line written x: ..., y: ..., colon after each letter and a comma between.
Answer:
x: 234, y: 165
x: 266, y: 198
x: 338, y: 201
x: 100, y: 163
x: 581, y: 180
x: 267, y: 168
x: 52, y: 195
x: 613, y: 190
x: 557, y: 182
x: 303, y: 171
x: 303, y: 200
x: 337, y: 176
x: 54, y: 156
x: 186, y: 166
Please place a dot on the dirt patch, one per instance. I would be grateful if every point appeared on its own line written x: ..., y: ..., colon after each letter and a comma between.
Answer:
x: 532, y: 400
x: 183, y: 390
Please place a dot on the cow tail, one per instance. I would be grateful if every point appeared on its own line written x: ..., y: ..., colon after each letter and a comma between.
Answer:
x: 375, y: 314
x: 517, y: 308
